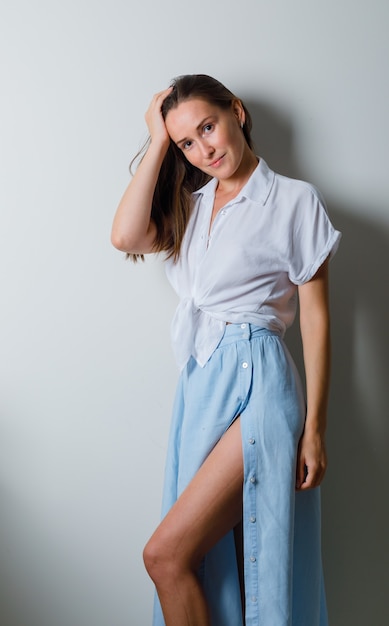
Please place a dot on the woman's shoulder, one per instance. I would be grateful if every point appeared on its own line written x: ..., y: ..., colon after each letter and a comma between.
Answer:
x: 298, y: 188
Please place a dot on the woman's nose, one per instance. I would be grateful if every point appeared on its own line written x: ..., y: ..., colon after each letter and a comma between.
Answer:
x: 207, y: 149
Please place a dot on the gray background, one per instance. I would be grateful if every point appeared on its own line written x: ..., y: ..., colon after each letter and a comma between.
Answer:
x: 86, y: 371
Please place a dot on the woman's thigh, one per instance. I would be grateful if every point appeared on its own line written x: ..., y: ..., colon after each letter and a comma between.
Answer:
x: 208, y: 508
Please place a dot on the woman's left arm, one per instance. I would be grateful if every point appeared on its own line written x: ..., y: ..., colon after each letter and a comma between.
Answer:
x: 315, y: 333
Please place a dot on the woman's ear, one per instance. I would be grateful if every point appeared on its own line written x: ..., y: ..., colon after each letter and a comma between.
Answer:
x: 238, y: 111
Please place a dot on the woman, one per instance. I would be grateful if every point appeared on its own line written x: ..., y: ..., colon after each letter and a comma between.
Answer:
x: 245, y: 452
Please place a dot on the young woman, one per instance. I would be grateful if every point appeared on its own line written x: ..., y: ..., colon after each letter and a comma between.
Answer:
x: 239, y: 542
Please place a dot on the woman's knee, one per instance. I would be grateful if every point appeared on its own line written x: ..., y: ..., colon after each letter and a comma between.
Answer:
x: 151, y: 558
x: 161, y: 561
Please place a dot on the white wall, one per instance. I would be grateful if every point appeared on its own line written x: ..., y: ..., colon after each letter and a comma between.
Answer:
x: 86, y: 372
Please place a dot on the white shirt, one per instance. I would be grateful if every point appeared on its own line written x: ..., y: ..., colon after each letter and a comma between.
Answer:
x: 273, y: 236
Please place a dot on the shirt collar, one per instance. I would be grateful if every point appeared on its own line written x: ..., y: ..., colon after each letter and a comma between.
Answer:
x: 257, y: 188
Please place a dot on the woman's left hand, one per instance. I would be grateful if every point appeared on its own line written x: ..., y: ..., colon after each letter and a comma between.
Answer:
x: 311, y: 461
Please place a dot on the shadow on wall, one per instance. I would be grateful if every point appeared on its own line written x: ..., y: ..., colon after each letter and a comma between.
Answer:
x: 355, y: 492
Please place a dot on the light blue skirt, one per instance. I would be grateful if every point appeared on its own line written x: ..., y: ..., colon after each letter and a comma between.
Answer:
x: 251, y: 374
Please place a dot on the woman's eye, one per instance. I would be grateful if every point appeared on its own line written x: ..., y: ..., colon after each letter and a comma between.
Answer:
x: 186, y: 145
x: 208, y: 128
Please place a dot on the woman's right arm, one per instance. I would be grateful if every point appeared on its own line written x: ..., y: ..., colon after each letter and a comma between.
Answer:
x: 133, y: 230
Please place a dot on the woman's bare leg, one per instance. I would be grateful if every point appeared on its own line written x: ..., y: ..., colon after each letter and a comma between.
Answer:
x: 209, y: 507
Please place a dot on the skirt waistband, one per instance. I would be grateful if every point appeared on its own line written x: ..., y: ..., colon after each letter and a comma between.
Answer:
x: 245, y: 331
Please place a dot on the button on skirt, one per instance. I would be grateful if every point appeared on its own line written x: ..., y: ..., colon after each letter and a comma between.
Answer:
x: 252, y: 375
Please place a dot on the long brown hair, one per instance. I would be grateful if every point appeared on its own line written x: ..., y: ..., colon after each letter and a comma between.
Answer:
x: 178, y: 179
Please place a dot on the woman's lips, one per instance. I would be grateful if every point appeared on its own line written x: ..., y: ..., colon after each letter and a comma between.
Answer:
x: 217, y: 162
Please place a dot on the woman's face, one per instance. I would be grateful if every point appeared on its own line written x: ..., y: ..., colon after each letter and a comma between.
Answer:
x: 211, y: 138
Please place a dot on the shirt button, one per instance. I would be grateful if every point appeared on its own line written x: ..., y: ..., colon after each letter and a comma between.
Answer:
x: 252, y: 559
x: 243, y: 325
x: 252, y: 480
x: 245, y: 365
x: 253, y: 519
x: 223, y: 211
x: 251, y: 440
x: 253, y: 598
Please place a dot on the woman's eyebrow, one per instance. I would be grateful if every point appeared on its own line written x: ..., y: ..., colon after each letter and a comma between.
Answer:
x: 197, y: 128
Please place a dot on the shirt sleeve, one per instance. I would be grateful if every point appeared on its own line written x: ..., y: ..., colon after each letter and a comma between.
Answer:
x: 312, y: 238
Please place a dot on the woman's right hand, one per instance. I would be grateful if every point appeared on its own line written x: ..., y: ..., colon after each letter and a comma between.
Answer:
x: 154, y: 118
